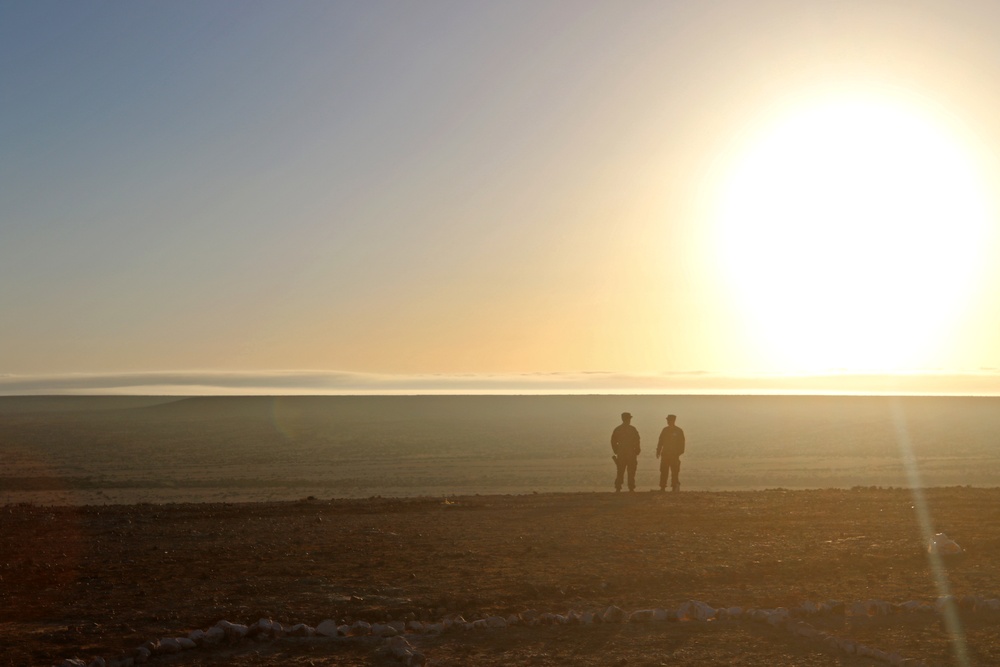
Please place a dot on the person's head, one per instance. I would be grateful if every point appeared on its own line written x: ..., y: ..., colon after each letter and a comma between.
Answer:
x: 626, y: 417
x: 671, y: 419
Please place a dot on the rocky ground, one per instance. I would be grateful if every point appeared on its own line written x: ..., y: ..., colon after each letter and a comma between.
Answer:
x: 101, y: 580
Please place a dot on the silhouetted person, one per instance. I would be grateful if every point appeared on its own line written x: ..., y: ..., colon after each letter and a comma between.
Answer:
x: 625, y: 445
x: 669, y: 450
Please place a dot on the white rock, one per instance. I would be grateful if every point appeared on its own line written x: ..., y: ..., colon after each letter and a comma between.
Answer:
x: 415, y: 626
x: 399, y: 647
x: 479, y: 624
x: 641, y: 616
x: 496, y: 622
x: 695, y: 610
x: 613, y: 614
x: 434, y: 628
x: 398, y: 626
x: 943, y: 602
x: 327, y: 628
x: 72, y: 662
x: 587, y: 618
x: 513, y: 619
x: 197, y: 636
x: 777, y: 617
x: 301, y: 630
x: 735, y: 612
x: 660, y: 615
x: 214, y: 635
x: 871, y: 608
x: 803, y: 629
x: 343, y: 630
x: 943, y: 545
x: 169, y: 645
x: 361, y: 628
x: 233, y: 630
x: 185, y: 643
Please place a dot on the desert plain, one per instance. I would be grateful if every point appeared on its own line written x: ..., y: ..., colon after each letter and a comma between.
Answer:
x: 125, y: 520
x: 101, y: 580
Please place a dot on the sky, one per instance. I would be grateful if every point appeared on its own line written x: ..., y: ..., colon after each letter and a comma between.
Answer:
x: 571, y: 196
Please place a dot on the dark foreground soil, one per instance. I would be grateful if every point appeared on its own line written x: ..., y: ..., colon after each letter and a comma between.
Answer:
x: 99, y: 581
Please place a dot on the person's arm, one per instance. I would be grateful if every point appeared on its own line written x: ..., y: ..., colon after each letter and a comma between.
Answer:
x: 682, y: 442
x: 659, y: 444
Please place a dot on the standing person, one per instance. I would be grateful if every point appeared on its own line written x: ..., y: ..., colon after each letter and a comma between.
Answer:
x: 669, y: 450
x: 625, y: 445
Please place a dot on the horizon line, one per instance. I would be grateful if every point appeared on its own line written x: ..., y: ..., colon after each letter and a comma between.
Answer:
x: 350, y: 383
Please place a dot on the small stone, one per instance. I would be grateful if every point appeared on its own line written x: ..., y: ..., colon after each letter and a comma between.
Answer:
x: 301, y: 630
x: 613, y: 614
x: 233, y: 631
x: 169, y: 645
x: 328, y: 628
x: 695, y: 610
x: 943, y: 545
x: 641, y: 616
x: 497, y: 622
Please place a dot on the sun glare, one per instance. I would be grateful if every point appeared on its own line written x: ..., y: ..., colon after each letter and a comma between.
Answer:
x: 850, y: 233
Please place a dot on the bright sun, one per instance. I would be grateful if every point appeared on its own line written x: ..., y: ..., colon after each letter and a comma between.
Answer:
x: 851, y: 232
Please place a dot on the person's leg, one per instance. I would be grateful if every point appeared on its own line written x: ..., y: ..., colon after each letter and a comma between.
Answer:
x: 620, y: 477
x: 664, y: 471
x: 675, y: 465
x: 633, y: 462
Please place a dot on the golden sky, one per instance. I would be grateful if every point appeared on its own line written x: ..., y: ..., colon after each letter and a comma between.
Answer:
x: 466, y: 189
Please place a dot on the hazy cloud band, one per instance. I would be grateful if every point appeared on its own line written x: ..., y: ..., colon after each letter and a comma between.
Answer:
x: 343, y: 383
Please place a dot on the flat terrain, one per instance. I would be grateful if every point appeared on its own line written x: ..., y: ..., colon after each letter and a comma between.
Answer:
x: 98, y: 580
x: 127, y: 450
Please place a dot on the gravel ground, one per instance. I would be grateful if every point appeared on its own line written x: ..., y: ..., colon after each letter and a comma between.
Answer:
x: 101, y: 580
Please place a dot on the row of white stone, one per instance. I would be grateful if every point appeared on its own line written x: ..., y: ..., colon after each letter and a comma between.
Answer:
x: 692, y: 610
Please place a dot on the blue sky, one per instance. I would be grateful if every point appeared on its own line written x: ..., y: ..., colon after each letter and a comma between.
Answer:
x: 442, y: 187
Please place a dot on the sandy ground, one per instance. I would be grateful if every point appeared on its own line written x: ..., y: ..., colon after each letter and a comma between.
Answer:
x: 101, y: 580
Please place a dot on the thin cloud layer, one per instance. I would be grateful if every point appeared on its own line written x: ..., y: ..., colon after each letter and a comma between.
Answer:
x: 347, y: 383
